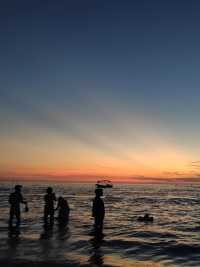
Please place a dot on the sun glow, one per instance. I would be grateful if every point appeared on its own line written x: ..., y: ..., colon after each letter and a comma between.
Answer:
x: 103, y: 140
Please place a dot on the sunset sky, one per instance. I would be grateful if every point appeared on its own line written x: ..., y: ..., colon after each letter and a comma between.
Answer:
x: 100, y: 88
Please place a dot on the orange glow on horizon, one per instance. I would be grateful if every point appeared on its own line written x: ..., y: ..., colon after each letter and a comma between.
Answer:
x: 131, y: 151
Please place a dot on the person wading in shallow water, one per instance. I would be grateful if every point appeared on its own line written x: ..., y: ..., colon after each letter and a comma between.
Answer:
x: 63, y: 211
x: 15, y: 199
x: 49, y: 200
x: 98, y: 211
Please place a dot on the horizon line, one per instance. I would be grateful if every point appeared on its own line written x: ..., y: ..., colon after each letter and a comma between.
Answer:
x: 145, y: 181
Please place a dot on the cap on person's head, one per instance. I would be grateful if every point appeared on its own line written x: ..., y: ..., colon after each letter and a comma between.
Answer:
x: 49, y: 190
x: 18, y: 187
x: 99, y: 191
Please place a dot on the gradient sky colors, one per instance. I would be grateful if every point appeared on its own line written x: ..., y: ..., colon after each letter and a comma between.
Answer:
x: 100, y: 88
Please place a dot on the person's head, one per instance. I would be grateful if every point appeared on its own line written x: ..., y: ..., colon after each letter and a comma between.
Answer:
x: 49, y: 190
x: 60, y: 200
x: 99, y: 192
x: 18, y: 188
x: 146, y: 216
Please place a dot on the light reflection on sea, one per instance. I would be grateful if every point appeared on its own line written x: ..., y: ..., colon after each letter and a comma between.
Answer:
x: 172, y: 240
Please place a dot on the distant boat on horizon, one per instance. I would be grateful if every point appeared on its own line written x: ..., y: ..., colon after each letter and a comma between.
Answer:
x: 104, y: 184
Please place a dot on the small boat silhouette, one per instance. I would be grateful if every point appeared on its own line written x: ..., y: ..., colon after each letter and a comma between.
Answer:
x: 104, y: 184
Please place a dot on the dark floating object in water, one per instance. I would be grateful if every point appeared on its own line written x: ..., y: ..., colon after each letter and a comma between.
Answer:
x: 104, y: 184
x: 145, y: 218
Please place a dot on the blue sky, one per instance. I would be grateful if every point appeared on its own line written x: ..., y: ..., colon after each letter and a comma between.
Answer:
x: 103, y: 73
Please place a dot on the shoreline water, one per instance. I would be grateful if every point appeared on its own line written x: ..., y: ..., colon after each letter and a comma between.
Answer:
x: 172, y: 240
x: 7, y: 263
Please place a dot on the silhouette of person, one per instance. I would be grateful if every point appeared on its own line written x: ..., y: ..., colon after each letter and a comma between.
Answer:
x: 63, y: 210
x: 96, y: 258
x: 98, y: 211
x: 15, y: 199
x: 145, y: 218
x: 49, y: 200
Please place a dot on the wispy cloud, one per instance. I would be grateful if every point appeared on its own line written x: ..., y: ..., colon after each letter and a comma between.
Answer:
x: 195, y: 164
x: 174, y: 173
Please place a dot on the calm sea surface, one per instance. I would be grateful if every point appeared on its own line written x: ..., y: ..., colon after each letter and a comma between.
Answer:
x: 173, y: 239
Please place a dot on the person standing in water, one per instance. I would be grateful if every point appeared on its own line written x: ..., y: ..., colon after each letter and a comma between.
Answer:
x: 15, y: 199
x: 98, y: 211
x: 63, y: 211
x: 49, y: 200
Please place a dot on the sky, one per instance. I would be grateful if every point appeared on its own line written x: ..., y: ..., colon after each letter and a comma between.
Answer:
x: 95, y: 89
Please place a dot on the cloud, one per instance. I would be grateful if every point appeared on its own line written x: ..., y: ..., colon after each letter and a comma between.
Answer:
x: 195, y: 164
x: 144, y: 179
x: 174, y: 173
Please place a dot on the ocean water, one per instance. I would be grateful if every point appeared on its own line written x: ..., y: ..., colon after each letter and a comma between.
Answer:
x: 173, y: 239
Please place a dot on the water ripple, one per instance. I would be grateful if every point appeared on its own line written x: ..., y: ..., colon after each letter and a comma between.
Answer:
x: 173, y: 239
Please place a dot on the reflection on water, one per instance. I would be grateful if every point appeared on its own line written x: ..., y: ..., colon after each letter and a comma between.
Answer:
x: 13, y: 232
x: 116, y: 261
x: 47, y: 232
x: 13, y: 241
x: 173, y: 239
x: 96, y: 257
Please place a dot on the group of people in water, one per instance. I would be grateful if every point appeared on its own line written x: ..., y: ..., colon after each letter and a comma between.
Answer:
x: 16, y: 199
x: 98, y: 211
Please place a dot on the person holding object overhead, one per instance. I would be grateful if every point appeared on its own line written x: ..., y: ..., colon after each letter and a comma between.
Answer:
x: 98, y: 211
x: 15, y: 199
x: 49, y: 200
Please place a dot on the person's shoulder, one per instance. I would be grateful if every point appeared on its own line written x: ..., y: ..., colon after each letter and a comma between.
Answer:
x: 98, y: 200
x: 95, y: 200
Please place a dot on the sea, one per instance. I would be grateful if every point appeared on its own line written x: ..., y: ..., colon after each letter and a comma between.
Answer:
x: 172, y: 239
